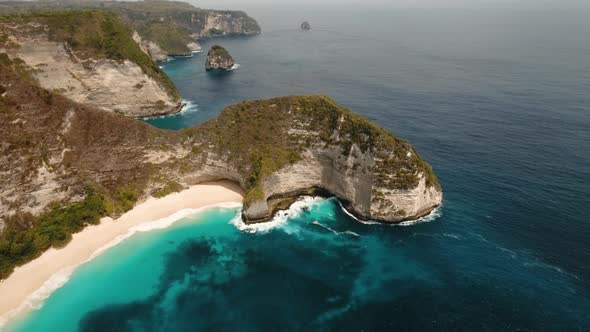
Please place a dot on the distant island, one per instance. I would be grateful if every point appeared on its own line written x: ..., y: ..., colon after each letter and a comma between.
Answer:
x: 305, y: 26
x: 73, y: 152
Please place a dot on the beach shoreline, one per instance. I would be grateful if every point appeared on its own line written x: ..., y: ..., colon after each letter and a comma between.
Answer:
x: 34, y: 281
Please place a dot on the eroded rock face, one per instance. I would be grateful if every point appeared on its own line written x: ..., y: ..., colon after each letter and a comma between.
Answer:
x: 53, y: 151
x: 219, y: 59
x: 351, y: 179
x: 150, y: 48
x: 114, y: 85
x: 158, y: 54
x: 226, y: 23
x: 194, y: 47
x: 285, y: 147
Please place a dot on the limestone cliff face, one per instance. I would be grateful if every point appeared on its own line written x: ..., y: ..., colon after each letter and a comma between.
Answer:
x: 150, y: 48
x: 114, y: 84
x: 54, y: 150
x: 281, y: 148
x: 351, y: 179
x: 226, y: 23
x: 156, y: 52
x: 219, y: 59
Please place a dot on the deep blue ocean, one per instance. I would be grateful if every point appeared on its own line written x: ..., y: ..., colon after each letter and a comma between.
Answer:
x: 497, y: 101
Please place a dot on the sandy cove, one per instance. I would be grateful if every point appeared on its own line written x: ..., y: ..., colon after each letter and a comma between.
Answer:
x: 19, y: 290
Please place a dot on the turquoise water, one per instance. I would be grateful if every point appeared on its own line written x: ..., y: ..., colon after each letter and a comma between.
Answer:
x: 496, y: 101
x: 315, y: 269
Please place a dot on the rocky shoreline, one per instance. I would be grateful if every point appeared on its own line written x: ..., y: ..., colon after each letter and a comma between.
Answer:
x: 73, y: 152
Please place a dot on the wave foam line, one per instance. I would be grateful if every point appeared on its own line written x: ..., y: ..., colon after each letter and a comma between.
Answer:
x: 302, y: 204
x: 189, y: 106
x: 317, y: 223
x: 433, y: 215
x: 59, y: 279
x: 35, y: 300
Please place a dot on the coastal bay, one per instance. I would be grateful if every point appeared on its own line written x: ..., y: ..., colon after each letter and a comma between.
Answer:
x: 29, y: 283
x: 501, y: 113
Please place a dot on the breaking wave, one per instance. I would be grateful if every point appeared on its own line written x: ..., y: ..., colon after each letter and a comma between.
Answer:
x: 302, y: 204
x: 433, y: 215
x: 189, y: 106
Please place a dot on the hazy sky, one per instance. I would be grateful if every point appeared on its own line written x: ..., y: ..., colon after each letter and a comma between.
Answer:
x: 399, y: 3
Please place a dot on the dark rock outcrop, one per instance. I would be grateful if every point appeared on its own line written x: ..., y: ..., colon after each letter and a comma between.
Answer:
x: 305, y: 26
x: 219, y: 59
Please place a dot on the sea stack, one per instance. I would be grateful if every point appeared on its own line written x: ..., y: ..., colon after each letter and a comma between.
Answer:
x: 305, y: 26
x: 219, y: 59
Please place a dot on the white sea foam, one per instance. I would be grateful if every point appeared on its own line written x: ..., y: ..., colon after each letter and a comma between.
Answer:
x: 235, y: 66
x: 317, y: 223
x: 159, y: 225
x: 280, y: 218
x: 188, y: 107
x: 36, y: 299
x: 306, y: 202
x: 185, y: 56
x: 433, y: 215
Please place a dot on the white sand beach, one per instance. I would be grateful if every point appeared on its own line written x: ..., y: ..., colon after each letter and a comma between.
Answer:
x: 19, y: 291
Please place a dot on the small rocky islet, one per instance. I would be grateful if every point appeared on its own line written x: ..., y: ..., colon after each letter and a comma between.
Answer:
x: 219, y: 59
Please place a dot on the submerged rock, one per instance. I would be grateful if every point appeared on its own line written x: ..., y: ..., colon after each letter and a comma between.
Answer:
x: 305, y: 26
x: 219, y: 59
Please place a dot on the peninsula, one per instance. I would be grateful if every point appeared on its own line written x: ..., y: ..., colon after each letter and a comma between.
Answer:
x: 72, y: 153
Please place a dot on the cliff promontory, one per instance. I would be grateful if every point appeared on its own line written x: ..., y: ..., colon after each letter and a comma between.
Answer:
x: 281, y: 148
x: 63, y: 165
x: 219, y: 59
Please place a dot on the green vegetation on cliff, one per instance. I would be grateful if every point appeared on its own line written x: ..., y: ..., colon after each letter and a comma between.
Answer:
x: 94, y: 35
x: 169, y: 36
x: 99, y: 163
x: 26, y: 237
x: 261, y: 137
x: 171, y: 24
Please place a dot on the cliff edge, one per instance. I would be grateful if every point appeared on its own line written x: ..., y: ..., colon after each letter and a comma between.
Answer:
x: 284, y: 147
x: 64, y: 165
x: 91, y: 58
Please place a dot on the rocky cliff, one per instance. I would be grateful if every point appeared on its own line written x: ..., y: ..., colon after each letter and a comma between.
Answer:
x: 283, y: 147
x: 63, y: 165
x: 219, y: 59
x: 164, y: 28
x: 91, y: 58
